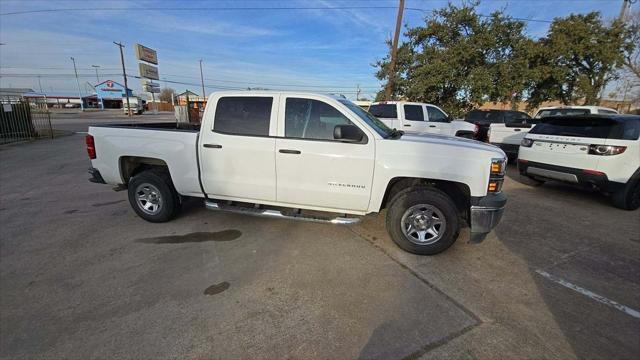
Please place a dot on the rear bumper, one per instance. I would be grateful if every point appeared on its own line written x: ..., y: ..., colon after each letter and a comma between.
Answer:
x: 485, y: 214
x: 96, y: 177
x: 569, y: 175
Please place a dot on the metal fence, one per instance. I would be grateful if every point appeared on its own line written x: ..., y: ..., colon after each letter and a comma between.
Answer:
x: 24, y: 119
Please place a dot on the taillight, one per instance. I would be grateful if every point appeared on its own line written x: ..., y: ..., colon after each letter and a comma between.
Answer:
x: 606, y: 150
x: 476, y: 128
x: 91, y: 146
x: 526, y: 142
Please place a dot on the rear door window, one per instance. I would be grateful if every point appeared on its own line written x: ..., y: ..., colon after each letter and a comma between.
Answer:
x: 384, y: 111
x: 243, y: 115
x: 589, y: 127
x: 413, y: 112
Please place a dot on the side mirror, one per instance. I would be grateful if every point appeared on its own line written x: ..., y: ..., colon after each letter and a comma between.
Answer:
x: 349, y: 133
x: 450, y: 118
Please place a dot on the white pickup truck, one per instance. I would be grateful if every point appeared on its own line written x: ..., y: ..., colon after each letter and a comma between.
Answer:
x: 416, y: 117
x: 281, y: 154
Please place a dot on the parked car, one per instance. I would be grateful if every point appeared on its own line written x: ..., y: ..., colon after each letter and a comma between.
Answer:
x: 136, y: 103
x: 596, y: 151
x: 484, y: 118
x: 508, y: 135
x: 303, y: 151
x: 420, y: 118
x: 573, y: 110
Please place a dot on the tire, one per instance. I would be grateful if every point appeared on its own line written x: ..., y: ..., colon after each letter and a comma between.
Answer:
x: 418, y: 203
x: 628, y: 198
x: 153, y: 197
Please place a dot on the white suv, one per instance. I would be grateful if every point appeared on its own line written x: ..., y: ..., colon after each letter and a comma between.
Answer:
x: 600, y: 151
x: 414, y: 117
x: 573, y: 110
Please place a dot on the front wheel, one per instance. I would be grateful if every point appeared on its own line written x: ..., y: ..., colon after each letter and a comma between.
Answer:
x: 153, y: 197
x: 422, y: 221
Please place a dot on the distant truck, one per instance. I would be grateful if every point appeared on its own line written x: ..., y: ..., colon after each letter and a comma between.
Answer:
x: 278, y: 154
x: 417, y: 117
x: 136, y: 103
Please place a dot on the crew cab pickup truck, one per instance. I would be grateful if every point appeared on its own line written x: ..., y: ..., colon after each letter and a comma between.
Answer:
x: 283, y: 154
x: 413, y: 117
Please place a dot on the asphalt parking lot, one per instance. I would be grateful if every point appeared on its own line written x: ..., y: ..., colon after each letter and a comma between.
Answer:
x: 82, y: 276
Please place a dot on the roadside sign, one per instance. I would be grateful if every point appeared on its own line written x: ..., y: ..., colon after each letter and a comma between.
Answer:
x: 146, y: 54
x: 148, y: 71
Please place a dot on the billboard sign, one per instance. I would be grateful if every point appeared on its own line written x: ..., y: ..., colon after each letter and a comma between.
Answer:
x: 148, y: 71
x: 146, y: 54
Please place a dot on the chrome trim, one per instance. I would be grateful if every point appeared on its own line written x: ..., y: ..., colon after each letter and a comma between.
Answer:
x: 212, y: 205
x: 551, y: 174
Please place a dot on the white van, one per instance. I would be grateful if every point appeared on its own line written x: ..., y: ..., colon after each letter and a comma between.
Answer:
x: 414, y: 117
x: 596, y: 151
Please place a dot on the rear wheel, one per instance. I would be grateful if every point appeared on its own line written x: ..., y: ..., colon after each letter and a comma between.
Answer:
x: 628, y: 198
x: 422, y: 221
x: 152, y: 196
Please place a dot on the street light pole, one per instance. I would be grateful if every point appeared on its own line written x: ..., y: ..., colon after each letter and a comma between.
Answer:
x: 97, y: 78
x: 78, y: 83
x: 204, y: 96
x: 100, y: 101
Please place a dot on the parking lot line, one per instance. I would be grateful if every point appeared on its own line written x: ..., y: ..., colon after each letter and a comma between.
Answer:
x: 591, y: 294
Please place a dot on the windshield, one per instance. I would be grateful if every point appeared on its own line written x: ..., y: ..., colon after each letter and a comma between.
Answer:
x: 590, y: 127
x: 385, y: 111
x: 565, y: 111
x: 371, y: 120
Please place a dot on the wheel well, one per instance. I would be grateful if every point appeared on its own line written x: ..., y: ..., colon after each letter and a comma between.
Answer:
x: 132, y: 165
x: 459, y: 192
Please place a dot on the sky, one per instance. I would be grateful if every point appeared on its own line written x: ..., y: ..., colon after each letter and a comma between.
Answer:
x: 316, y: 49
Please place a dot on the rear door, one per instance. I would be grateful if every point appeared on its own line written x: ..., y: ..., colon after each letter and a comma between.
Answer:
x: 237, y: 157
x: 313, y: 169
x: 387, y: 113
x: 414, y: 118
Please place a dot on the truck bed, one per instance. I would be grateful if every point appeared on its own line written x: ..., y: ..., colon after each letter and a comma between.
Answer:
x: 170, y: 126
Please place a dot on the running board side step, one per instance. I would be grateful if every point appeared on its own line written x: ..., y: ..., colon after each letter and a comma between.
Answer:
x: 212, y: 205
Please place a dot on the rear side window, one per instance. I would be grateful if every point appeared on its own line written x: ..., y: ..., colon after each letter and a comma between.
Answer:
x: 385, y: 111
x: 413, y: 112
x: 600, y: 128
x: 243, y: 115
x: 516, y: 117
x: 435, y: 115
x: 311, y: 119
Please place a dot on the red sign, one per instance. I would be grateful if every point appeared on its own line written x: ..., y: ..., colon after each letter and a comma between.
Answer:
x: 109, y: 83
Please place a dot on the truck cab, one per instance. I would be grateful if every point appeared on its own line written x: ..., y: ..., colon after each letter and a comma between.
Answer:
x: 415, y: 117
x: 288, y: 153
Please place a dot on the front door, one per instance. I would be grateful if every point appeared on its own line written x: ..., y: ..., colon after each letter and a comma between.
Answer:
x: 312, y: 168
x: 438, y: 122
x: 414, y: 119
x: 237, y: 154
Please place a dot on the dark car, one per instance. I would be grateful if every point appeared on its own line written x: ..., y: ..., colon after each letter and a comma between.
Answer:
x: 484, y: 118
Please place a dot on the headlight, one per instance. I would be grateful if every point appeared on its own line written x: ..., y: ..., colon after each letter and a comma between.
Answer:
x: 498, y: 167
x: 526, y: 142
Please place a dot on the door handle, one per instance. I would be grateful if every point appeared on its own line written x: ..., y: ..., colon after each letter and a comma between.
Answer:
x: 213, y: 146
x: 432, y: 126
x: 407, y: 124
x: 516, y: 129
x: 287, y: 151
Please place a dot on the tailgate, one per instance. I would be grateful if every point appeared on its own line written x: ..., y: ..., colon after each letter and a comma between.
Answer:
x: 562, y: 151
x: 507, y: 134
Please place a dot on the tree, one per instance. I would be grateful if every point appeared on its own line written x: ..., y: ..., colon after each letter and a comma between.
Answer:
x: 167, y: 94
x: 577, y: 58
x: 460, y: 59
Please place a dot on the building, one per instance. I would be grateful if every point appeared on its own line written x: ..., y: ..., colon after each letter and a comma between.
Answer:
x: 111, y: 93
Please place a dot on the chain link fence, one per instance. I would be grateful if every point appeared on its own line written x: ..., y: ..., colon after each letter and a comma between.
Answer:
x: 24, y: 119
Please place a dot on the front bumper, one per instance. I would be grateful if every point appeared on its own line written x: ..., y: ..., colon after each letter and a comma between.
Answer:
x: 96, y: 177
x: 486, y: 212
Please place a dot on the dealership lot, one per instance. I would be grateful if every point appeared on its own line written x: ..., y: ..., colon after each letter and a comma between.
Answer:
x: 82, y: 276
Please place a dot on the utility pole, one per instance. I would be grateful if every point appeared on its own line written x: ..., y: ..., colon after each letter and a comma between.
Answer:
x: 97, y: 78
x: 626, y: 4
x: 124, y: 74
x: 358, y: 92
x: 202, y: 80
x: 40, y: 84
x: 388, y: 91
x: 77, y: 82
